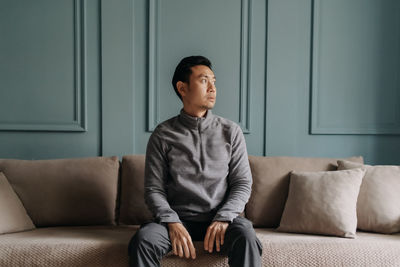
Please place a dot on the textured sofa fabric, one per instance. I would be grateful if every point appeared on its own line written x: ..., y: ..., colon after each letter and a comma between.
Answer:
x: 65, y: 191
x: 107, y: 246
x: 271, y: 184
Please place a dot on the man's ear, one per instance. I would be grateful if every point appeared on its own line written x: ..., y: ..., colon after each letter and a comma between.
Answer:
x: 181, y: 86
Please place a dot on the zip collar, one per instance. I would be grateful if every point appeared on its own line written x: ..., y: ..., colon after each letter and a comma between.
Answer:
x: 196, y: 122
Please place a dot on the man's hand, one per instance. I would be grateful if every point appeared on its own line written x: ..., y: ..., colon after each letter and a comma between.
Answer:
x: 216, y: 231
x: 181, y: 241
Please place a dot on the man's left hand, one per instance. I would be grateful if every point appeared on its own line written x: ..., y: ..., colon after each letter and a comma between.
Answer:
x: 215, y: 232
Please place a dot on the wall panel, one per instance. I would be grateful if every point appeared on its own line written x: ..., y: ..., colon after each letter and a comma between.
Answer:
x: 49, y: 73
x: 291, y: 82
x: 356, y: 67
x: 43, y: 64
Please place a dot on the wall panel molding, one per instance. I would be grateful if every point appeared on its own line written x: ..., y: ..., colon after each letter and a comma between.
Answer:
x: 372, y: 126
x: 153, y: 118
x: 79, y: 123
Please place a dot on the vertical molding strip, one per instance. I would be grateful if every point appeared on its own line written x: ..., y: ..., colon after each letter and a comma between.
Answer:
x: 80, y: 64
x: 245, y: 58
x: 153, y: 117
x: 265, y: 149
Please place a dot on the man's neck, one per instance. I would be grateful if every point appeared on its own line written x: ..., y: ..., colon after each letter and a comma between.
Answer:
x: 195, y: 112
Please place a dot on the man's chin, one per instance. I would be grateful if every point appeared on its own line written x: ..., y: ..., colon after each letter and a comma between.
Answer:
x: 209, y: 106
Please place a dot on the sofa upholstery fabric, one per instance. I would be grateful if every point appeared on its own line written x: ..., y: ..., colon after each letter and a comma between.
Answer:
x: 66, y: 191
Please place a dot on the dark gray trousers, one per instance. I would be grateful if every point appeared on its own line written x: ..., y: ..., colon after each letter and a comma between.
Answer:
x: 151, y: 243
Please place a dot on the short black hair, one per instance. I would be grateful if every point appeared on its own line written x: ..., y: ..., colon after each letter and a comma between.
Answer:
x: 183, y: 70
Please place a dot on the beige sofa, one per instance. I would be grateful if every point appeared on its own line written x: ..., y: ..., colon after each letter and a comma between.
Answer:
x: 85, y: 211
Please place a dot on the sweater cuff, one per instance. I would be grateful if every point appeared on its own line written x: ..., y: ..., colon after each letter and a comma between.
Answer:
x: 169, y: 218
x: 224, y: 218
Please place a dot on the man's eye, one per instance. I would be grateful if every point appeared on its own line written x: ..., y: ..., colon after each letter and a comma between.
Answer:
x: 203, y: 80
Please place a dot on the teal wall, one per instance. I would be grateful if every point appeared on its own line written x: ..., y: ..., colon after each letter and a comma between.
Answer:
x: 303, y: 78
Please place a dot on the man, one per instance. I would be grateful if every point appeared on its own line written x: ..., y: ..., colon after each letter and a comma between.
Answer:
x: 197, y: 179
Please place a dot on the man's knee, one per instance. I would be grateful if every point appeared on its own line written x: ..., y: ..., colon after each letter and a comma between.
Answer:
x: 242, y: 227
x: 243, y: 234
x: 151, y: 236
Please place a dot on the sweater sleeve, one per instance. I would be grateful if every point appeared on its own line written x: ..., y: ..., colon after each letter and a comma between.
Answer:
x: 239, y: 180
x: 156, y: 173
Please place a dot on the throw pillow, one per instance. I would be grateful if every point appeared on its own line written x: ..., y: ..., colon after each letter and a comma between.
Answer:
x: 378, y: 206
x: 322, y: 203
x: 13, y: 216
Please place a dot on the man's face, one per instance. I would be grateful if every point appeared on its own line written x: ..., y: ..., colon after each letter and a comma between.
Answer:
x: 200, y: 92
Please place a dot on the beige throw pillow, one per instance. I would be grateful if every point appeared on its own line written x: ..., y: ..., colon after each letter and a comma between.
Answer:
x: 13, y: 216
x: 322, y: 203
x: 270, y: 187
x: 378, y: 206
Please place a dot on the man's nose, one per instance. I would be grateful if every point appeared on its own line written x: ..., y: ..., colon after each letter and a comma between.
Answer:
x: 212, y: 87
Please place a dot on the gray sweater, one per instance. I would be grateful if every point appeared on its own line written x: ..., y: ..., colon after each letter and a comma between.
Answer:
x: 197, y: 169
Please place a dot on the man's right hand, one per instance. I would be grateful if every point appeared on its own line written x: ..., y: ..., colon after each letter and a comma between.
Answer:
x: 181, y: 241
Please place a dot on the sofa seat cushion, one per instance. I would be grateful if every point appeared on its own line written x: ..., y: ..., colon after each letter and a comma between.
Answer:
x: 286, y: 249
x: 368, y: 249
x: 84, y: 246
x: 108, y: 246
x: 67, y: 246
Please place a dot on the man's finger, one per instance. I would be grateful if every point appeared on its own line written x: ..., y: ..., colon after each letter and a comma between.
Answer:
x: 180, y: 250
x: 192, y: 249
x: 186, y: 248
x: 217, y: 240
x: 207, y: 238
x: 174, y: 247
x: 211, y: 240
x: 223, y: 231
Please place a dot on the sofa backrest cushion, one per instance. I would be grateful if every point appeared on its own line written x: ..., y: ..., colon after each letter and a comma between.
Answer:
x: 271, y: 184
x: 133, y: 209
x: 66, y: 191
x: 13, y: 216
x: 378, y: 205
